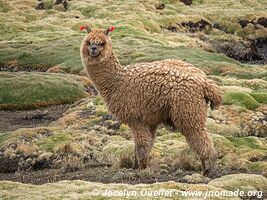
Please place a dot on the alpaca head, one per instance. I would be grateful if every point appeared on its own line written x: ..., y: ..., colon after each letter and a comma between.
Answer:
x: 96, y: 46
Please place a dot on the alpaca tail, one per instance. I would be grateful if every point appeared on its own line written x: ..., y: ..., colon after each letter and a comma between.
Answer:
x: 213, y: 94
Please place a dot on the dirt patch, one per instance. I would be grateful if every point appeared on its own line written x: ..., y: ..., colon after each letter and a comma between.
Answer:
x: 261, y: 46
x: 244, y: 51
x: 13, y: 66
x: 201, y: 25
x: 260, y: 21
x: 12, y: 120
x: 197, y: 26
x: 104, y: 175
x: 187, y: 2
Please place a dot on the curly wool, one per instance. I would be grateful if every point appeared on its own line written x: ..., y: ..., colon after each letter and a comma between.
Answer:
x: 143, y: 95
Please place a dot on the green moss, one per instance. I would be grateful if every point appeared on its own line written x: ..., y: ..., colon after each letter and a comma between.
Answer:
x: 3, y: 138
x: 123, y: 127
x: 50, y: 142
x: 33, y: 90
x: 260, y: 97
x: 98, y: 101
x: 241, y: 99
x: 244, y: 182
x: 246, y: 142
x: 257, y: 166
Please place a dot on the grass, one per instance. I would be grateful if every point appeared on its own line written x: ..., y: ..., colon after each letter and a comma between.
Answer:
x: 53, y: 37
x: 33, y: 90
x: 260, y: 97
x: 49, y: 143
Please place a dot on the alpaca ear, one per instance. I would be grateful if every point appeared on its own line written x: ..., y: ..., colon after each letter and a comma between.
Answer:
x: 88, y: 29
x: 110, y: 29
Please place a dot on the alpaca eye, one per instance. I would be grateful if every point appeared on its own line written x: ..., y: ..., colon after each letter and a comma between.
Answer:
x: 102, y: 44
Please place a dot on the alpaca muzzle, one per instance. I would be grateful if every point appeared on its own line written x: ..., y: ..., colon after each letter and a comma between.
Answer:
x: 93, y: 51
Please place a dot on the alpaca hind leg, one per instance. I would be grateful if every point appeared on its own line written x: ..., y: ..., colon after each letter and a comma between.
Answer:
x: 201, y: 143
x: 144, y: 140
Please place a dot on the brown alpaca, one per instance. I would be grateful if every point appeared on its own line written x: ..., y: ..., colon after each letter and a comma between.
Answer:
x: 145, y: 95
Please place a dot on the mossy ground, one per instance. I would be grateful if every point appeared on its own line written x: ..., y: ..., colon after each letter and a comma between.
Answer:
x: 85, y: 190
x: 241, y: 99
x: 85, y: 137
x: 33, y: 90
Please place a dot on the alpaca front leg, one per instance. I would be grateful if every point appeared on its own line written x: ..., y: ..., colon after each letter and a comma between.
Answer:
x: 144, y: 140
x: 142, y: 155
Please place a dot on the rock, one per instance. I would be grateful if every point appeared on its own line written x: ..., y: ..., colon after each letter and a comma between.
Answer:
x: 160, y: 6
x: 12, y: 146
x: 29, y: 161
x: 39, y: 5
x: 107, y: 116
x: 257, y: 126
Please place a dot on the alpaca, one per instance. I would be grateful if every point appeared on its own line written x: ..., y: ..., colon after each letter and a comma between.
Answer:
x: 145, y: 95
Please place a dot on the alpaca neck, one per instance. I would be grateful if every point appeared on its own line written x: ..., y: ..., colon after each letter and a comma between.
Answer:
x: 106, y: 76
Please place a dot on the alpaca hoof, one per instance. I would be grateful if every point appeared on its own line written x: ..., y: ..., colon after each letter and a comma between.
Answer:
x: 135, y: 166
x: 208, y: 166
x: 140, y: 166
x: 206, y: 173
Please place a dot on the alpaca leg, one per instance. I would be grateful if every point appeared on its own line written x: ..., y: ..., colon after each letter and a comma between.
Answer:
x: 144, y: 140
x: 189, y: 116
x: 202, y: 145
